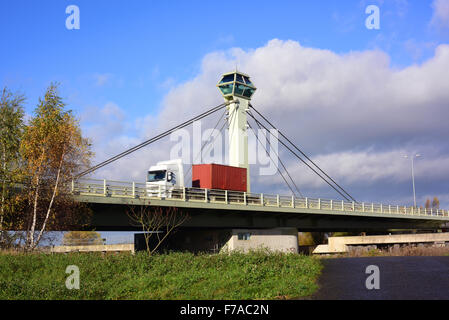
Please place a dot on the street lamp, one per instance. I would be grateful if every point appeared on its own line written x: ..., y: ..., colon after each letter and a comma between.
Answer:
x: 413, y: 176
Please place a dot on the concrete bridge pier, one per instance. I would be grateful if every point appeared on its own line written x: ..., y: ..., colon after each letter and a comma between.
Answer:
x: 225, y: 240
x: 277, y: 239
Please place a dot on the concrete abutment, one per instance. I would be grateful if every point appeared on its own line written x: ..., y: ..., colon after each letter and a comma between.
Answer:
x: 225, y: 240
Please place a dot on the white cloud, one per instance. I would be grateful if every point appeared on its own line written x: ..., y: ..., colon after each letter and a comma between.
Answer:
x: 102, y: 78
x: 353, y: 113
x: 370, y: 167
x: 327, y: 101
x: 440, y: 16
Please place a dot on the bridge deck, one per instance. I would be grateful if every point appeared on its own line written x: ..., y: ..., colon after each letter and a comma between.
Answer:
x: 131, y: 193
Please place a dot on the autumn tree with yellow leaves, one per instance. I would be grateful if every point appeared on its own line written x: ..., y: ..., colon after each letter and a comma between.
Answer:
x: 11, y: 128
x: 53, y: 152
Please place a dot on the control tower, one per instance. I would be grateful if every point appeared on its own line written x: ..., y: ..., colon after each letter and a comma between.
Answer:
x: 237, y: 88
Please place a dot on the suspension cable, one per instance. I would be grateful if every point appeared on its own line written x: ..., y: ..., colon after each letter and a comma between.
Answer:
x: 277, y: 155
x: 296, y: 155
x: 152, y: 140
x: 340, y: 187
x: 206, y: 142
x: 291, y: 189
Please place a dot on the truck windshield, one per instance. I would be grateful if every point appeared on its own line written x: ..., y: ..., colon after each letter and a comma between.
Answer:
x: 156, y: 176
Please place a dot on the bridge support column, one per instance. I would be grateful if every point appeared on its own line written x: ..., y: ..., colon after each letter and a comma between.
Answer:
x: 278, y: 239
x: 226, y: 240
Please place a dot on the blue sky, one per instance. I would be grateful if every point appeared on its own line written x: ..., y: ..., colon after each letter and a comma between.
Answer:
x: 141, y: 49
x: 129, y: 67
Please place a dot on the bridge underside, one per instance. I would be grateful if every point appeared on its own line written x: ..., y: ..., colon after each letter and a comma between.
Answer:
x: 114, y: 217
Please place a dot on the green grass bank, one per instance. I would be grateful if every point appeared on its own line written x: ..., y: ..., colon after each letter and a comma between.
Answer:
x: 173, y: 276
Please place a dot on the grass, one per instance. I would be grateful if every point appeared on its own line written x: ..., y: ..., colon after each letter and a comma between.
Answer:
x: 173, y: 276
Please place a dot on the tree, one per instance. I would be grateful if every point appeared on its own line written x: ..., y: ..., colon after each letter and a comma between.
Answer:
x: 156, y: 223
x: 53, y: 150
x: 11, y: 129
x: 428, y: 204
x: 435, y: 203
x: 82, y: 238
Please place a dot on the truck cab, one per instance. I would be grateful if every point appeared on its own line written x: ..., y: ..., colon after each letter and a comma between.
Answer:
x: 164, y: 177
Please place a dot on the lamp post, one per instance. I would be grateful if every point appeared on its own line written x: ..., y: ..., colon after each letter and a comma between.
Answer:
x: 413, y: 176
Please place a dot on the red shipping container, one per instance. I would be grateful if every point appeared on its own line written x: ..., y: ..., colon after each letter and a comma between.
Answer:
x: 217, y: 176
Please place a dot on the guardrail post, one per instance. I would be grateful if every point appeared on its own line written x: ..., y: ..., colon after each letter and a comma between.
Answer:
x: 372, y: 207
x: 319, y: 204
x: 353, y: 206
x: 134, y: 190
x: 261, y: 200
x: 184, y: 194
x: 278, y: 202
x: 307, y: 203
x: 293, y: 201
x: 342, y: 205
x: 431, y: 211
x: 205, y: 195
x: 363, y: 206
x: 73, y: 185
x: 244, y: 198
x: 381, y: 208
x: 332, y: 204
x: 159, y: 193
x: 105, y: 191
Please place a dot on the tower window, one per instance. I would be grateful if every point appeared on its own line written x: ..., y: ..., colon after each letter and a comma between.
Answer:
x: 227, y: 78
x: 239, y: 78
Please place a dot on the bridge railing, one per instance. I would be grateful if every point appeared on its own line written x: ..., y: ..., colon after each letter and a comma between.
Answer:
x: 122, y: 189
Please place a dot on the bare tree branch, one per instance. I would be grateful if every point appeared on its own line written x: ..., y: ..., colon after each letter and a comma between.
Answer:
x: 156, y: 220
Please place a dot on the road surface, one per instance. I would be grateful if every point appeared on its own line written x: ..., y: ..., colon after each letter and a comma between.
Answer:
x: 399, y: 278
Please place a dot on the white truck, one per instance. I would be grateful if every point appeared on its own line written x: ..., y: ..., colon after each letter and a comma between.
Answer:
x: 166, y: 180
x: 164, y: 177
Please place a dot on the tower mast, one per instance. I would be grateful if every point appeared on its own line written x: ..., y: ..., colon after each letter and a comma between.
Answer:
x: 237, y: 88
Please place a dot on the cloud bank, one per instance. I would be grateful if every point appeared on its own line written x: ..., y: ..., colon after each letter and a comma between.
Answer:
x: 440, y: 16
x: 353, y: 113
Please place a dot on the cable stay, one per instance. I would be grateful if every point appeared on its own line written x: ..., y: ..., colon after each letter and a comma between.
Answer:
x: 206, y: 142
x: 335, y: 185
x: 298, y: 149
x: 285, y: 180
x: 338, y: 189
x: 302, y: 160
x: 152, y: 140
x: 280, y: 161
